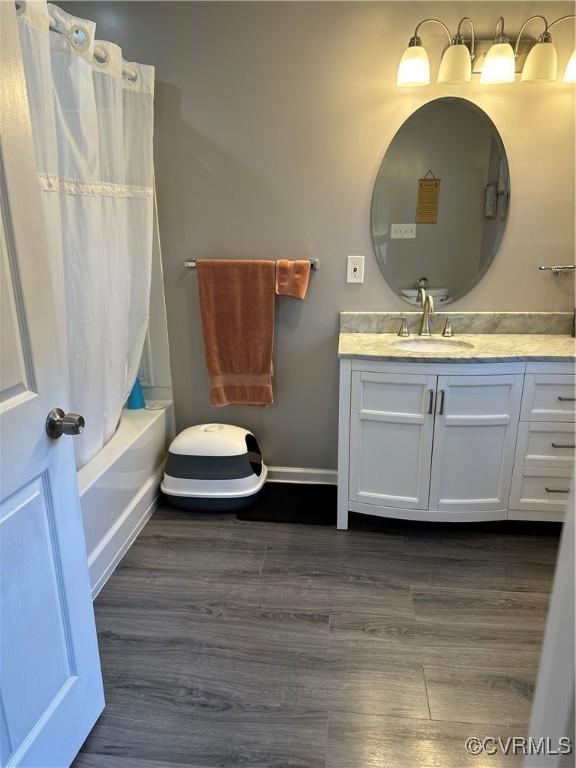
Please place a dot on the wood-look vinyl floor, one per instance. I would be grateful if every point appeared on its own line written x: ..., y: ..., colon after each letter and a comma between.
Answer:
x: 230, y: 644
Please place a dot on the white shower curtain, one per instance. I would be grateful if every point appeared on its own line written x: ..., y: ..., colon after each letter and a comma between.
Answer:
x: 92, y: 119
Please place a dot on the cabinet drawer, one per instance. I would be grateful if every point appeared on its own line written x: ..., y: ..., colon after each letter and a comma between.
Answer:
x: 549, y: 397
x: 545, y: 444
x: 540, y: 489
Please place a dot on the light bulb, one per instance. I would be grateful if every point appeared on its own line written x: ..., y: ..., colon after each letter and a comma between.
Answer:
x: 456, y: 65
x: 570, y: 72
x: 499, y: 64
x: 541, y: 63
x: 414, y: 67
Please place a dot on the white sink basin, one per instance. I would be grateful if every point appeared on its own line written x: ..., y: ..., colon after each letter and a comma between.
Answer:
x: 427, y: 344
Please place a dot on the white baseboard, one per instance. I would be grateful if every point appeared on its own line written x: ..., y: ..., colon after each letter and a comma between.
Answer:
x: 104, y: 559
x: 302, y: 475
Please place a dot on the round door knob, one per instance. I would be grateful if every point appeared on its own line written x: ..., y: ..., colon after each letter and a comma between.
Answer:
x: 59, y: 423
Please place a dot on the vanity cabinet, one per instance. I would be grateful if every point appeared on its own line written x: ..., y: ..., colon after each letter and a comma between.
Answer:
x: 429, y: 441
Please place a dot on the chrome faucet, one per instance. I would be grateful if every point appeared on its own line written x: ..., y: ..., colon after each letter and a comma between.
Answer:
x: 427, y: 304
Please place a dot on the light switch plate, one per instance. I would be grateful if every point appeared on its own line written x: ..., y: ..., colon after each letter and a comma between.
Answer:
x: 355, y: 269
x: 402, y: 231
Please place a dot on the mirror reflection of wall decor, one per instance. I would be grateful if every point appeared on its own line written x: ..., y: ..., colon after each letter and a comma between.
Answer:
x: 460, y: 143
x: 491, y: 200
x: 428, y: 199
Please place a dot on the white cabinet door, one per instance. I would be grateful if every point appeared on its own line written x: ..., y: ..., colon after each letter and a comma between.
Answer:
x: 474, y: 439
x: 50, y: 682
x: 392, y: 423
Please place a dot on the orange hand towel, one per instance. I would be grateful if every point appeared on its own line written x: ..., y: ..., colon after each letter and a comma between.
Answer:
x: 237, y: 307
x: 292, y: 278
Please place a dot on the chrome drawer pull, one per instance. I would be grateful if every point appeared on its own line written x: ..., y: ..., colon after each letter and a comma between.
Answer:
x: 557, y: 490
x: 560, y: 445
x: 566, y: 399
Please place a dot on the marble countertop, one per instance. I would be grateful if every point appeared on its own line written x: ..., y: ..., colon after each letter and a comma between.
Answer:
x: 487, y: 347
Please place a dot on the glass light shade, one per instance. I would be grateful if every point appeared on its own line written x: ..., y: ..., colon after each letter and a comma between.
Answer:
x: 499, y: 64
x: 414, y: 67
x: 456, y: 65
x: 570, y: 72
x: 541, y: 64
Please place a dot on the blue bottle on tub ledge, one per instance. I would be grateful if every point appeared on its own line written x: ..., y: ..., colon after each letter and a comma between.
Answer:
x: 136, y: 397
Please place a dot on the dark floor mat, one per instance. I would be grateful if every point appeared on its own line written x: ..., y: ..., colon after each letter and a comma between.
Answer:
x: 306, y: 504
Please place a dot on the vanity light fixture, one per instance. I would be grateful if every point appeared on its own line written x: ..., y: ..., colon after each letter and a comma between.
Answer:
x: 500, y: 63
x: 570, y: 73
x: 456, y: 64
x: 414, y: 67
x: 542, y: 63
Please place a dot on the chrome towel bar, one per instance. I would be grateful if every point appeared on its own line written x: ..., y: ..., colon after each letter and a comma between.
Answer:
x: 558, y: 268
x: 314, y: 264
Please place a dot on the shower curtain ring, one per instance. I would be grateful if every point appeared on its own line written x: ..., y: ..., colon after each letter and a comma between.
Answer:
x: 78, y: 37
x: 100, y: 55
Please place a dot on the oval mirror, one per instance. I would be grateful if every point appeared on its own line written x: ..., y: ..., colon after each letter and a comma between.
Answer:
x: 440, y: 201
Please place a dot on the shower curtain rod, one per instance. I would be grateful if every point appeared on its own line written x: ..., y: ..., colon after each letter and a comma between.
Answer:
x: 314, y: 264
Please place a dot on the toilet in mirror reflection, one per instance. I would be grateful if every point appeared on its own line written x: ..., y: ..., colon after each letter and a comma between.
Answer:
x: 453, y: 142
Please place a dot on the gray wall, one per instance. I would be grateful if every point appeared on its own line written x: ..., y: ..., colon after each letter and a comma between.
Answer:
x: 271, y: 123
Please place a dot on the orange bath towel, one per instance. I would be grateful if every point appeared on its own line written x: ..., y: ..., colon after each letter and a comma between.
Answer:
x: 292, y: 278
x: 237, y: 307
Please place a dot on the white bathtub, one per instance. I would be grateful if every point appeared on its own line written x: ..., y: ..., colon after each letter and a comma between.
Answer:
x: 119, y: 488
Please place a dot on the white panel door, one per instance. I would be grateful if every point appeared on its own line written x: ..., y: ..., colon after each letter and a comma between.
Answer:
x: 392, y: 423
x: 474, y: 439
x: 50, y: 682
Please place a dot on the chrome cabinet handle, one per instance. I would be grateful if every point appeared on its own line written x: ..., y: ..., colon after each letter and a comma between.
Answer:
x: 560, y: 445
x: 59, y: 423
x: 442, y: 398
x: 431, y: 401
x: 566, y: 399
x: 557, y: 490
